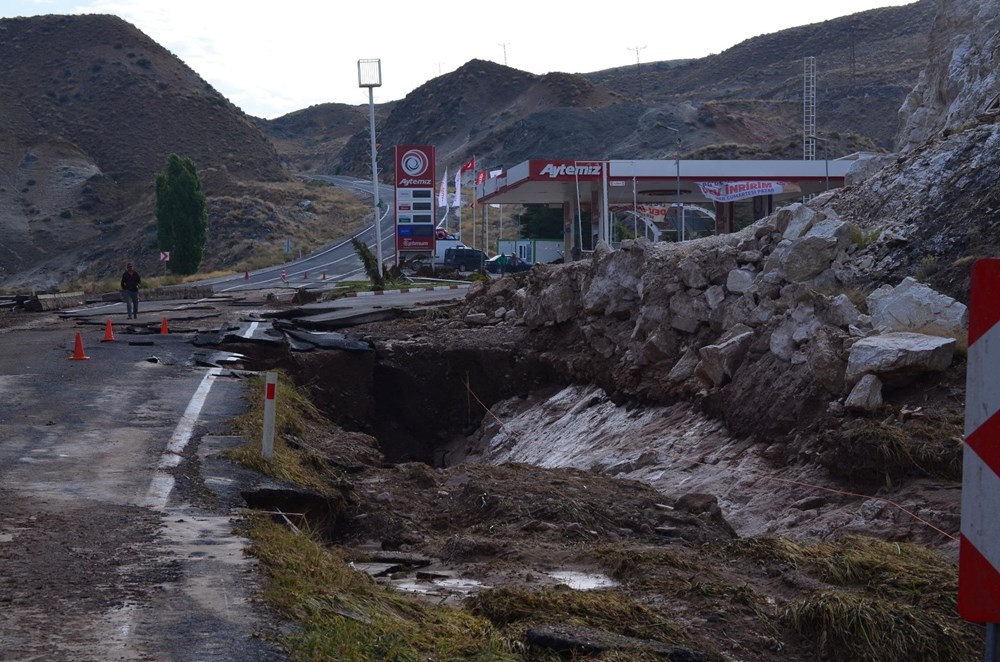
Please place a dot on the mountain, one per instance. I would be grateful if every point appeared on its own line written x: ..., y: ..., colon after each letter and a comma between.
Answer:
x: 92, y: 108
x: 749, y: 95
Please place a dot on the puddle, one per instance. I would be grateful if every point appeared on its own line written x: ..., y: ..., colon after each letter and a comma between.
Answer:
x: 449, y: 585
x: 581, y: 581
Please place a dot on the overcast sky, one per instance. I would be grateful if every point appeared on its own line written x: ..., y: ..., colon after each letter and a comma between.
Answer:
x: 273, y: 58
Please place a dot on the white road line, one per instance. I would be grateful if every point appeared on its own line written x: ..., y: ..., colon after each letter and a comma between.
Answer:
x: 162, y: 483
x: 250, y: 331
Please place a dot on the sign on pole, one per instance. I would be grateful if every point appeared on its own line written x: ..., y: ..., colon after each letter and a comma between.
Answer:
x: 164, y: 256
x: 979, y: 550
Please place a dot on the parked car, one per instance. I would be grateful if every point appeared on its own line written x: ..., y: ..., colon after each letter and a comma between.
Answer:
x: 465, y: 259
x: 513, y: 265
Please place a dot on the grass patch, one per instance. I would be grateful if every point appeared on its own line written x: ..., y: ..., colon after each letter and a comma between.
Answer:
x: 344, y: 615
x: 870, y: 450
x: 608, y: 610
x: 850, y: 626
x: 887, y: 601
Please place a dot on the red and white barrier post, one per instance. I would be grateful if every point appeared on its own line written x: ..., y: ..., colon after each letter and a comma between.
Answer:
x: 270, y: 391
x: 979, y: 551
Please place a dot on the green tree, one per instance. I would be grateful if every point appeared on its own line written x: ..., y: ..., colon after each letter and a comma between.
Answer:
x: 370, y: 263
x: 542, y: 222
x: 181, y: 215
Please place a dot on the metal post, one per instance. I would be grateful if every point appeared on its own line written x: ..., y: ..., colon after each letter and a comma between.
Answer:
x: 826, y: 157
x: 680, y: 208
x: 991, y: 643
x: 677, y: 162
x: 378, y: 220
x: 270, y: 389
x: 606, y: 235
x: 370, y: 76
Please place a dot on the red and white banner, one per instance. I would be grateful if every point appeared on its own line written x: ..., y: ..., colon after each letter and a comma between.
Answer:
x: 979, y: 550
x: 456, y: 200
x: 733, y: 191
x: 443, y: 191
x: 649, y: 209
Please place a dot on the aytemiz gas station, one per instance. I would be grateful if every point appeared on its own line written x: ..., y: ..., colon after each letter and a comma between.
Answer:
x: 664, y: 199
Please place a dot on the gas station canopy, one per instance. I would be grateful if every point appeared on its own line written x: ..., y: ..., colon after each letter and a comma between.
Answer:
x: 550, y: 181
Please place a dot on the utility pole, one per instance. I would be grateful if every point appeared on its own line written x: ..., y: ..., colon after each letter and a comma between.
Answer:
x: 638, y: 69
x: 439, y: 67
x: 504, y: 47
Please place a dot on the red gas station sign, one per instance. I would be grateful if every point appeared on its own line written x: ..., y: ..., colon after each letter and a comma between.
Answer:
x: 416, y: 205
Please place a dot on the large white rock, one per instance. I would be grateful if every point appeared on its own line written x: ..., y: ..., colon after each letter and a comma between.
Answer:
x: 899, y: 353
x: 801, y: 220
x: 808, y: 257
x: 866, y: 394
x: 739, y: 280
x: 913, y: 306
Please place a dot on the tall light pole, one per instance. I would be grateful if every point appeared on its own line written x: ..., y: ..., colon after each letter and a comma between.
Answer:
x: 370, y: 76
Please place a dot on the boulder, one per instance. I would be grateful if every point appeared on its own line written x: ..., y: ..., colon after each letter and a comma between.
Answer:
x: 799, y: 222
x: 899, y: 354
x: 808, y: 257
x: 913, y: 306
x: 720, y: 362
x: 685, y: 367
x: 866, y: 394
x: 739, y: 280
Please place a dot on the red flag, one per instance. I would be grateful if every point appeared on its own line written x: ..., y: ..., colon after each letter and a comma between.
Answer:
x: 470, y: 165
x: 480, y: 177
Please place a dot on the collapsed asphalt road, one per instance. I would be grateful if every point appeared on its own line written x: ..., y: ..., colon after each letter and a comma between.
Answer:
x: 116, y: 537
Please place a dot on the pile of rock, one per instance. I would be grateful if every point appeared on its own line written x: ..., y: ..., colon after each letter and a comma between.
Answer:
x: 763, y: 315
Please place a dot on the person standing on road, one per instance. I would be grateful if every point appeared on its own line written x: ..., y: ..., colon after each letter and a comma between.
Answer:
x: 130, y: 291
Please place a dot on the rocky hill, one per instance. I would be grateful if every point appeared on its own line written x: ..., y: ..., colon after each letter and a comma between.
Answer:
x: 750, y: 95
x: 92, y: 108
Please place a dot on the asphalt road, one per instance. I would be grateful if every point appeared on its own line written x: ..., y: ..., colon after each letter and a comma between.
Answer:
x: 108, y: 550
x: 335, y: 262
x: 116, y: 511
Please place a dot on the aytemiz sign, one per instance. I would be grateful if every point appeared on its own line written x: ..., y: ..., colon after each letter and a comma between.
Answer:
x: 416, y: 206
x: 979, y: 550
x: 564, y: 171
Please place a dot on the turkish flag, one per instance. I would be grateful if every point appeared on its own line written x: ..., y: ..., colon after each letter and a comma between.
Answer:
x: 471, y: 165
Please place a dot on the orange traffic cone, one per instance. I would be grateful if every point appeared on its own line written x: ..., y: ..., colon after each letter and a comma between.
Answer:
x: 305, y: 275
x: 163, y: 327
x: 109, y: 335
x: 246, y: 274
x: 324, y: 275
x: 78, y: 354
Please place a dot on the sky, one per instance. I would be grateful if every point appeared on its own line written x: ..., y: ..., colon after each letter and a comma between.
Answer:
x: 271, y: 57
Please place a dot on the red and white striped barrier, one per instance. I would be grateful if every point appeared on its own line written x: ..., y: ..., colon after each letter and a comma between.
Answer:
x: 979, y: 552
x: 405, y: 290
x: 270, y: 392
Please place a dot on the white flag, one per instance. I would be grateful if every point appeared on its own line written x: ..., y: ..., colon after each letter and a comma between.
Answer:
x: 457, y: 200
x: 443, y: 193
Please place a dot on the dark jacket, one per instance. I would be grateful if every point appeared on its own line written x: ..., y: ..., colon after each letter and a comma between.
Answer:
x: 131, y: 281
